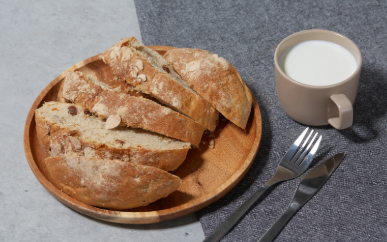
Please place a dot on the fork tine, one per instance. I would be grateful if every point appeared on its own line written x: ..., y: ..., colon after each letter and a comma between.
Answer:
x: 301, y: 149
x: 299, y: 139
x: 306, y: 151
x: 305, y: 164
x: 292, y: 150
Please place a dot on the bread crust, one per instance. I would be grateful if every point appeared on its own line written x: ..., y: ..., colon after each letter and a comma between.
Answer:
x: 134, y: 111
x: 216, y: 80
x: 126, y: 62
x: 110, y: 184
x: 51, y: 134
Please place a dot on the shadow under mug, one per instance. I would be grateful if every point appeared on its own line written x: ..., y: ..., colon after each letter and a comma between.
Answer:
x: 318, y: 105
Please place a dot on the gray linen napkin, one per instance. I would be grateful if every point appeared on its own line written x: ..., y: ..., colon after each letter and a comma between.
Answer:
x: 352, y: 206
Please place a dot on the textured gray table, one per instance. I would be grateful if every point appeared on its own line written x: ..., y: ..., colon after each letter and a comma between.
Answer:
x: 38, y: 41
x: 352, y: 204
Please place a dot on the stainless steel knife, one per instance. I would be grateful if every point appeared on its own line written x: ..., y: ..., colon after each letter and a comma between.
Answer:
x: 310, y: 184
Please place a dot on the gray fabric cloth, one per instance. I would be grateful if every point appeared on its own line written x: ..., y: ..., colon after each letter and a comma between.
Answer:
x: 352, y: 204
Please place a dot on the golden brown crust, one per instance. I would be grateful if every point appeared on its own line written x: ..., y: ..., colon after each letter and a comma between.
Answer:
x: 51, y: 135
x: 128, y: 64
x: 110, y: 184
x: 216, y: 80
x: 135, y: 112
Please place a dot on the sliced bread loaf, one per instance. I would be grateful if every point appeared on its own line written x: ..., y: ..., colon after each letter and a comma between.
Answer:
x: 150, y: 73
x: 64, y: 128
x: 110, y: 184
x: 216, y: 80
x: 136, y: 112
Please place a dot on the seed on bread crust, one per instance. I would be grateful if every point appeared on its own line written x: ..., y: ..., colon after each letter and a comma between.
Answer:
x: 133, y: 73
x: 112, y: 121
x: 142, y: 77
x: 139, y: 64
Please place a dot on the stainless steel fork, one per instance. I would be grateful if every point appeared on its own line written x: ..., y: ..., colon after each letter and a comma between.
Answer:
x: 295, y: 162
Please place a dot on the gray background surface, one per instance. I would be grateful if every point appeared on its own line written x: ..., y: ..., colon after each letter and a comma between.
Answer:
x: 352, y: 204
x: 38, y: 41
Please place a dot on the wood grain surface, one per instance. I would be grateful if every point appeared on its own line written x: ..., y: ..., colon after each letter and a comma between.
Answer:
x: 207, y: 174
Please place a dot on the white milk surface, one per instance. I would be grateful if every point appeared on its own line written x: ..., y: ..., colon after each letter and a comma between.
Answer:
x: 318, y: 63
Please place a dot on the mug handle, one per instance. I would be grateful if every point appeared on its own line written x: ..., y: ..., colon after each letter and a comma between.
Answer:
x: 344, y: 106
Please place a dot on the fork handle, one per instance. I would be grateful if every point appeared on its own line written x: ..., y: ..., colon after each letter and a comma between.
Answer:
x: 279, y: 224
x: 235, y: 216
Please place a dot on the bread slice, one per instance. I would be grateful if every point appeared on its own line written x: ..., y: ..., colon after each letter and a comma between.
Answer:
x: 112, y: 81
x: 150, y: 73
x: 110, y: 184
x: 216, y: 80
x: 134, y: 111
x: 60, y: 132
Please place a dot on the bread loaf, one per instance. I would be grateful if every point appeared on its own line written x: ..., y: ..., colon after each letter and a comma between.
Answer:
x: 136, y: 112
x: 61, y: 131
x: 110, y: 184
x: 216, y: 80
x: 150, y: 73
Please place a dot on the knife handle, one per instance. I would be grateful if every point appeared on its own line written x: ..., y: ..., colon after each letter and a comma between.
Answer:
x: 280, y: 223
x: 235, y: 216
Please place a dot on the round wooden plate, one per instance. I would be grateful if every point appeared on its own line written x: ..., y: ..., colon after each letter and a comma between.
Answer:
x: 207, y: 174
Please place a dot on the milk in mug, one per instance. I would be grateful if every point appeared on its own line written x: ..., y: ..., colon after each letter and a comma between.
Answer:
x: 318, y: 63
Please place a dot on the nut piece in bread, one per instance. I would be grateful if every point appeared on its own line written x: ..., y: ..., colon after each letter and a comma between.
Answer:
x: 150, y: 73
x: 62, y: 133
x: 112, y: 121
x: 110, y: 184
x: 216, y: 80
x: 134, y: 111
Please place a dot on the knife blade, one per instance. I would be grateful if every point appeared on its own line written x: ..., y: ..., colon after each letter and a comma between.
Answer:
x: 309, y: 186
